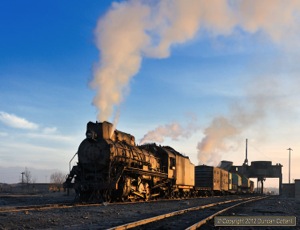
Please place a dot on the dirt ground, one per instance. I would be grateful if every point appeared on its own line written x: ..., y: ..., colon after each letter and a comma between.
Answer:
x: 275, y: 206
x: 103, y: 216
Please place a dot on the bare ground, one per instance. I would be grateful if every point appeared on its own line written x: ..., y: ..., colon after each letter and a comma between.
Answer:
x: 104, y: 216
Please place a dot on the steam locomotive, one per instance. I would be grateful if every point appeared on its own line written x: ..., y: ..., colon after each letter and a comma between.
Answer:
x: 111, y: 167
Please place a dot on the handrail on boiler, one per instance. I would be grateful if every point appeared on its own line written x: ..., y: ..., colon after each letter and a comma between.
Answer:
x: 71, y: 161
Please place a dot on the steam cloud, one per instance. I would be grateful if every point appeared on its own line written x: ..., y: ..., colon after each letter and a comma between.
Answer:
x: 173, y: 131
x: 223, y: 129
x: 213, y: 143
x: 131, y: 30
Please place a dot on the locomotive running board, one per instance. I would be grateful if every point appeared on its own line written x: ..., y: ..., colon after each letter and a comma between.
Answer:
x: 147, y: 173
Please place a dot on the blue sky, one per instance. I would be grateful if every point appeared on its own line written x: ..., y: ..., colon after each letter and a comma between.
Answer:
x: 244, y: 71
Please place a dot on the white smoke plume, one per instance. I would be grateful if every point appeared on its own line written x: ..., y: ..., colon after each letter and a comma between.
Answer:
x: 133, y: 29
x: 175, y: 131
x: 209, y: 149
x: 115, y: 121
x: 256, y: 107
x: 120, y: 37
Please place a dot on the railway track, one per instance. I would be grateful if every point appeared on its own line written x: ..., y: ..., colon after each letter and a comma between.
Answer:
x: 45, y: 207
x: 66, y: 205
x: 190, y: 218
x: 58, y: 215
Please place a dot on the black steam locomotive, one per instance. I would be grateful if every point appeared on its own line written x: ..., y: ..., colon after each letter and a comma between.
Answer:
x: 111, y: 167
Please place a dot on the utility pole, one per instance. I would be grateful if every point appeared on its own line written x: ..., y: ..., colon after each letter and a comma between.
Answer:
x: 22, y: 177
x: 246, y: 159
x: 289, y: 164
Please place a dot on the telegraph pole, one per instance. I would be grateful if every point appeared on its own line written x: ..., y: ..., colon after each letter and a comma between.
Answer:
x: 289, y: 164
x: 246, y: 159
x: 22, y: 177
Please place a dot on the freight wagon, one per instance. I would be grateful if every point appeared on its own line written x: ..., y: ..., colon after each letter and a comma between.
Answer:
x: 211, y: 179
x: 236, y: 182
x: 245, y: 186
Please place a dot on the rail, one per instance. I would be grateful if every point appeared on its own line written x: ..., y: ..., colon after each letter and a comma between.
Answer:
x: 162, y: 217
x: 204, y: 221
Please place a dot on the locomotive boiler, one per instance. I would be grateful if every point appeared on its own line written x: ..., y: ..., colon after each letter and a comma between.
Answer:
x: 110, y: 166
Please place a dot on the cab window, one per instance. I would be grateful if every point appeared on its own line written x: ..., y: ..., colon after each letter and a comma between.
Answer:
x: 172, y: 163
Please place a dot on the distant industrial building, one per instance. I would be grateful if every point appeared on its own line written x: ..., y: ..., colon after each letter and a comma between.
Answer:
x: 258, y: 169
x: 291, y: 190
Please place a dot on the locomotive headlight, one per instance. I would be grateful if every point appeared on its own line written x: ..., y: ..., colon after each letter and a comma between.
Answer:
x: 91, y: 135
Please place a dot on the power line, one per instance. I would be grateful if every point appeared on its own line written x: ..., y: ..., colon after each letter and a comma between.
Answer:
x: 261, y: 152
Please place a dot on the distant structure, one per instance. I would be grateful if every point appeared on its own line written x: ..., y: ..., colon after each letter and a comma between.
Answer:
x: 246, y: 158
x: 258, y: 169
x: 289, y: 164
x: 291, y: 189
x: 22, y: 177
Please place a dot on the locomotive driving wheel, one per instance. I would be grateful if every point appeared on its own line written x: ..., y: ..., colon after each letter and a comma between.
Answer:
x: 174, y: 194
x: 144, y: 189
x: 124, y: 187
x: 147, y: 192
x: 107, y: 195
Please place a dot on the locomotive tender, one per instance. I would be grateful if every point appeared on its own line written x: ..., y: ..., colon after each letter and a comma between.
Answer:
x: 112, y: 167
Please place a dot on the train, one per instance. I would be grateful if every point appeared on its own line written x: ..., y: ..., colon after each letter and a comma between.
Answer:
x: 211, y: 180
x: 112, y: 167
